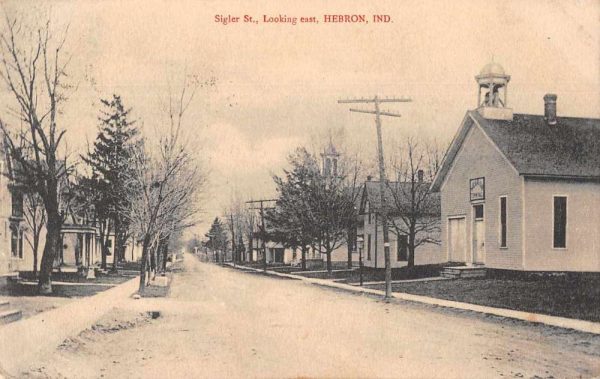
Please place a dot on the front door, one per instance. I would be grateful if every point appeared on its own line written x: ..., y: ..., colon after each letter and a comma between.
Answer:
x: 457, y: 239
x: 279, y: 255
x: 478, y: 234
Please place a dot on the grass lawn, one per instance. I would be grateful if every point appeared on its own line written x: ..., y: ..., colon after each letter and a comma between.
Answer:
x: 131, y: 266
x: 154, y: 290
x: 573, y: 297
x: 402, y: 273
x: 24, y: 296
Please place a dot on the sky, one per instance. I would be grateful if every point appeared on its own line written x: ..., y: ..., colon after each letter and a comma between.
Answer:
x: 277, y: 85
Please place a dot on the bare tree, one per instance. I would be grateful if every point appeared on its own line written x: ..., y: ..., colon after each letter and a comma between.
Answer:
x: 235, y: 218
x: 164, y: 185
x: 33, y: 67
x: 35, y: 219
x: 416, y: 210
x: 351, y: 169
x: 248, y: 226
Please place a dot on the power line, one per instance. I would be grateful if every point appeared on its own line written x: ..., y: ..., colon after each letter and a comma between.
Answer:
x: 383, y: 211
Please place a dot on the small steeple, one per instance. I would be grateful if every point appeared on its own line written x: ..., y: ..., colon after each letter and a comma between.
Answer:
x: 330, y: 160
x: 492, y: 81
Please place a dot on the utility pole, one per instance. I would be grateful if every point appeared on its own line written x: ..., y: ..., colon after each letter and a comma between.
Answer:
x: 383, y: 211
x: 233, y: 255
x: 263, y: 229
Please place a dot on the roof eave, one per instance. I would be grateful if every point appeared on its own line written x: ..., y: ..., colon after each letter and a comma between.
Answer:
x: 451, y: 152
x: 561, y: 176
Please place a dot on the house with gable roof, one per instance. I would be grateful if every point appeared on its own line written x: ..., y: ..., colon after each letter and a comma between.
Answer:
x: 521, y: 191
x: 371, y: 229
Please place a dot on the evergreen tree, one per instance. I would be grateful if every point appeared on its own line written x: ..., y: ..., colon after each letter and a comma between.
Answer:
x: 312, y: 210
x: 292, y: 221
x: 110, y: 164
x: 217, y: 238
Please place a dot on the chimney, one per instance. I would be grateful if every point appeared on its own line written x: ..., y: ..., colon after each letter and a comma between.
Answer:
x: 550, y: 108
x: 420, y: 176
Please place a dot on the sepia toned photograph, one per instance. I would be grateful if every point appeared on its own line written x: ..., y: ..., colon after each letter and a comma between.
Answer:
x: 283, y: 189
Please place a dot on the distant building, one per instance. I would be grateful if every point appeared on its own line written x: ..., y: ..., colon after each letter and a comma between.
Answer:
x: 330, y: 163
x: 521, y: 191
x: 371, y: 230
x: 276, y: 252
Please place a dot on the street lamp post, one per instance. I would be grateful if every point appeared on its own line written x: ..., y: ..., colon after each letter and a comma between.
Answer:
x: 360, y: 242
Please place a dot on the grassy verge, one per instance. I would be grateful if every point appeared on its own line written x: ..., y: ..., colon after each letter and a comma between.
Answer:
x: 73, y: 286
x: 161, y: 286
x: 401, y: 273
x: 23, y: 295
x: 565, y: 296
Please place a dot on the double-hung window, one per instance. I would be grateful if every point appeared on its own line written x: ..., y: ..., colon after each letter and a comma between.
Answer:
x: 402, y: 248
x: 502, y: 221
x: 560, y: 222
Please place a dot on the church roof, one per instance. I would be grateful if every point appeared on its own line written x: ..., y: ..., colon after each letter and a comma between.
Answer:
x: 569, y: 149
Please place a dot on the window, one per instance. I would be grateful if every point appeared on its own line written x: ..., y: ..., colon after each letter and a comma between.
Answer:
x: 402, y: 248
x: 327, y: 168
x: 368, y: 246
x: 560, y: 221
x: 478, y: 211
x: 334, y: 167
x: 21, y: 244
x: 503, y: 221
x: 16, y: 242
x: 17, y: 204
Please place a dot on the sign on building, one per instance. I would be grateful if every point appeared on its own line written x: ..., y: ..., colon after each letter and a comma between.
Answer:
x: 477, y: 186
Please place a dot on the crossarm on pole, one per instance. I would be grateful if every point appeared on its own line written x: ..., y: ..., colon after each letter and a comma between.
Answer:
x: 375, y: 112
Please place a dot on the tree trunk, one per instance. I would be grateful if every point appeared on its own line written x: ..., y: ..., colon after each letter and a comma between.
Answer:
x: 144, y: 264
x: 119, y: 247
x: 36, y: 243
x: 60, y: 250
x: 103, y: 234
x: 350, y: 244
x: 303, y: 258
x: 328, y: 253
x: 411, y: 248
x: 153, y: 259
x: 250, y: 250
x: 115, y: 261
x: 53, y: 224
x: 165, y: 254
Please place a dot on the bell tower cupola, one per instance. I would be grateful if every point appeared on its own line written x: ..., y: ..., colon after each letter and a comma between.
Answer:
x: 492, y: 93
x: 330, y: 161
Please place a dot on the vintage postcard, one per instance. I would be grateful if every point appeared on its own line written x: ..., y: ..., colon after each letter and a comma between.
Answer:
x: 285, y: 189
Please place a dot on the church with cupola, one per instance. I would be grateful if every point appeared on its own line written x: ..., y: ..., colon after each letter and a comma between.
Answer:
x: 520, y: 191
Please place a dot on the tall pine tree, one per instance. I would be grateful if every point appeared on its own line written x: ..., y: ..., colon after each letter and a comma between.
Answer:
x: 217, y: 239
x: 110, y: 165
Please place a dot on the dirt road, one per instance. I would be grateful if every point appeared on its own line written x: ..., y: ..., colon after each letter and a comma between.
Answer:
x: 219, y: 322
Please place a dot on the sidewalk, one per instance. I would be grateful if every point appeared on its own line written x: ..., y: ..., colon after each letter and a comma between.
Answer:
x: 24, y: 341
x: 404, y: 281
x: 561, y: 322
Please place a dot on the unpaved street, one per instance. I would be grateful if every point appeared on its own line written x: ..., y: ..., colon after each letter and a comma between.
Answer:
x: 219, y: 322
